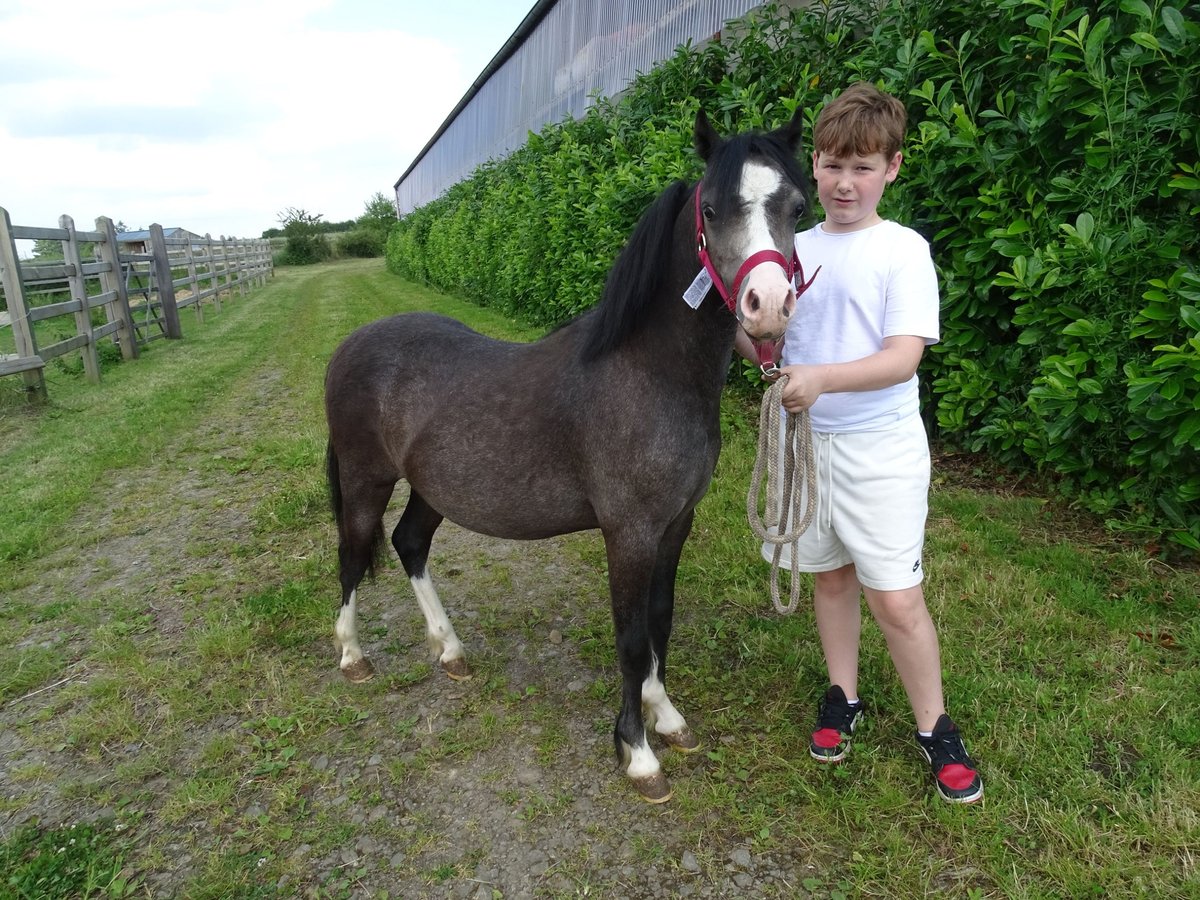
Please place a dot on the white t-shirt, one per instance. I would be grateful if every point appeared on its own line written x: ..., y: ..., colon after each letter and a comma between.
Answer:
x: 873, y: 283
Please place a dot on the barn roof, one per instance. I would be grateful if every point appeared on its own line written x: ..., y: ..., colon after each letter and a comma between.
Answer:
x: 128, y: 237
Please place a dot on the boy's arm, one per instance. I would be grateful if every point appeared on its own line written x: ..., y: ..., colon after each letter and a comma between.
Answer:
x: 894, y: 364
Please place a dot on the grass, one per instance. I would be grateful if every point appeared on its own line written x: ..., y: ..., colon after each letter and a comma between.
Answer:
x: 79, y: 861
x: 166, y: 581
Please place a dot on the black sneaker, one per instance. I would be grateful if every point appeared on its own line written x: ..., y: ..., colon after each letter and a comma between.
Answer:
x: 836, y: 721
x: 953, y: 770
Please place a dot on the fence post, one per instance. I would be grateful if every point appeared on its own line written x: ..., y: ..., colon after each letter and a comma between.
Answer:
x: 79, y: 294
x: 112, y: 281
x: 231, y: 267
x: 260, y: 266
x: 18, y: 310
x: 243, y: 268
x: 164, y: 283
x: 214, y: 281
x: 268, y: 260
x: 193, y: 281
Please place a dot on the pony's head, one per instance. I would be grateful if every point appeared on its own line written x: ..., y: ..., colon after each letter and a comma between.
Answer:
x: 753, y: 194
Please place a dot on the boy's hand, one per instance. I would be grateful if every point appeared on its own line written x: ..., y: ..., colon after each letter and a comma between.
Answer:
x: 803, y: 387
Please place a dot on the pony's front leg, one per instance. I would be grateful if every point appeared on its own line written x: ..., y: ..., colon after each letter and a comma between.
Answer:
x: 444, y: 644
x: 629, y: 572
x: 660, y: 714
x: 412, y: 539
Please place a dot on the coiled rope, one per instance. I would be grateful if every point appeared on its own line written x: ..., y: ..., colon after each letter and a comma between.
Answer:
x: 784, y: 501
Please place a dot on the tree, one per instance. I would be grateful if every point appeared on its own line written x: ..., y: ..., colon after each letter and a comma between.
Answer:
x: 305, y: 243
x: 379, y: 215
x: 371, y: 229
x: 47, y: 248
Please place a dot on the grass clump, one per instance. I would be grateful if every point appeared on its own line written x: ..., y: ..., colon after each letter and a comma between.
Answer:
x: 79, y: 861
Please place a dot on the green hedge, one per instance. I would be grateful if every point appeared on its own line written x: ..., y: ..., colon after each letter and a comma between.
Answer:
x: 1053, y: 161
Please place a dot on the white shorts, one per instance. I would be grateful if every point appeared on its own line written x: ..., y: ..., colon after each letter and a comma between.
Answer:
x: 872, y: 502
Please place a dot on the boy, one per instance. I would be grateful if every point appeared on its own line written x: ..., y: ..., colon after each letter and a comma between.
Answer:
x: 851, y: 353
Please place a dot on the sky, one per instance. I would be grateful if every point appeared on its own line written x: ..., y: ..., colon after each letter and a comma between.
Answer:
x: 218, y: 115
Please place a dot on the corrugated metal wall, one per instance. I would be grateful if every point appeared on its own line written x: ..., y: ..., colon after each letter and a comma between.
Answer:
x: 579, y: 48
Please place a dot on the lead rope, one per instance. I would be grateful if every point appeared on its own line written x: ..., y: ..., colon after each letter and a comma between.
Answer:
x: 783, y: 505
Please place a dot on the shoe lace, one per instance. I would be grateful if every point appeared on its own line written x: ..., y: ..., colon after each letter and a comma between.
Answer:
x: 837, y: 714
x: 947, y: 749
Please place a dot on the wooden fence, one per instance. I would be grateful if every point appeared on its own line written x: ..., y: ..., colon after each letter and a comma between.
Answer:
x: 141, y: 294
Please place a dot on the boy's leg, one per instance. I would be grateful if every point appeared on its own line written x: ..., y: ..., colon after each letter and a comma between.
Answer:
x: 912, y: 642
x: 838, y: 611
x: 913, y: 645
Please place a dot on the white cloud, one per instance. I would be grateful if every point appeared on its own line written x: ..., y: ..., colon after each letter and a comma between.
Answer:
x: 217, y: 115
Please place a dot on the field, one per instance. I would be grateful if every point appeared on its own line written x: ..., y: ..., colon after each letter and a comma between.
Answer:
x: 173, y: 723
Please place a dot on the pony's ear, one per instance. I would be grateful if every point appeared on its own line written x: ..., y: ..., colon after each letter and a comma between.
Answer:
x: 793, y: 131
x: 706, y: 138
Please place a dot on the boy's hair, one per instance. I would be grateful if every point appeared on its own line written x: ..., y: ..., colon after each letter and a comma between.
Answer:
x: 860, y: 121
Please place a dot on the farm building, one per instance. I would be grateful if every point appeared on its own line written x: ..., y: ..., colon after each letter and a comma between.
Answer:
x: 562, y: 54
x: 139, y: 241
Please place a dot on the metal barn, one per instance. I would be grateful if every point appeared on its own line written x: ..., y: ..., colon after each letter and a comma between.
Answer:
x: 562, y: 53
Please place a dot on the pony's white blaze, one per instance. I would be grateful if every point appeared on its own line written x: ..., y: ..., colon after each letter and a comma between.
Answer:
x: 767, y: 318
x: 666, y: 718
x: 443, y: 642
x: 346, y: 632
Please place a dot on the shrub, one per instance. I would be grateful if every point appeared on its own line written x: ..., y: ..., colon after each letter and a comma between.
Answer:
x: 1052, y: 160
x: 361, y: 242
x: 305, y: 249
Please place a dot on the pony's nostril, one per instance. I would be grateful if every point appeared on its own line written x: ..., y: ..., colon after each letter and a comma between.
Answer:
x: 752, y: 300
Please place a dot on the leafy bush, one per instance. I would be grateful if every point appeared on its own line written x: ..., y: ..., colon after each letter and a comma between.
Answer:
x: 305, y: 242
x: 305, y: 249
x: 1053, y: 160
x: 361, y: 242
x: 1045, y: 167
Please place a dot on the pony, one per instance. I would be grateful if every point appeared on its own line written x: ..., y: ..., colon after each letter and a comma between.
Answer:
x: 608, y: 422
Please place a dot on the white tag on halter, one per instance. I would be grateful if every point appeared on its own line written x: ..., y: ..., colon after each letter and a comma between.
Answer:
x: 699, y: 289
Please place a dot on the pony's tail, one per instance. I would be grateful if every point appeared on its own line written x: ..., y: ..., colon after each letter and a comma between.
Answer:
x: 333, y: 475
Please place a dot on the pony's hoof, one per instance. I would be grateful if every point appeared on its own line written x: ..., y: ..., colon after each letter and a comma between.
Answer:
x: 457, y: 669
x: 359, y: 671
x: 653, y: 788
x: 682, y: 740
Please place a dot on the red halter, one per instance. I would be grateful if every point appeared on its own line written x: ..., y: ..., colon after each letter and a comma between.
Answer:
x: 792, y: 268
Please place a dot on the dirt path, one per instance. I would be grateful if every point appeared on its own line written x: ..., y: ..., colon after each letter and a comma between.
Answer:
x: 202, y: 712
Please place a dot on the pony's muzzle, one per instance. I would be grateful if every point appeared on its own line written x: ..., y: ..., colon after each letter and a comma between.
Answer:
x: 766, y: 305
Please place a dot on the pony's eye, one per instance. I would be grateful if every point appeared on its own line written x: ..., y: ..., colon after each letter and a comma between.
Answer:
x: 709, y: 212
x: 799, y: 210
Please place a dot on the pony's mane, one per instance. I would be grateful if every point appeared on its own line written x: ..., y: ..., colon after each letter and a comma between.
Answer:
x: 638, y: 275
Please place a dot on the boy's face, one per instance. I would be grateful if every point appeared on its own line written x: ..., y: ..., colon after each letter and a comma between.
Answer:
x: 849, y: 188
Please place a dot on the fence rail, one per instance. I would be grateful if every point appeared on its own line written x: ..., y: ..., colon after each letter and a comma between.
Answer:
x: 141, y: 294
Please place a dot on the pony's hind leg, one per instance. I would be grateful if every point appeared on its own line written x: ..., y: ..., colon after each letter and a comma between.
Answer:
x: 354, y: 665
x: 360, y: 527
x: 412, y: 539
